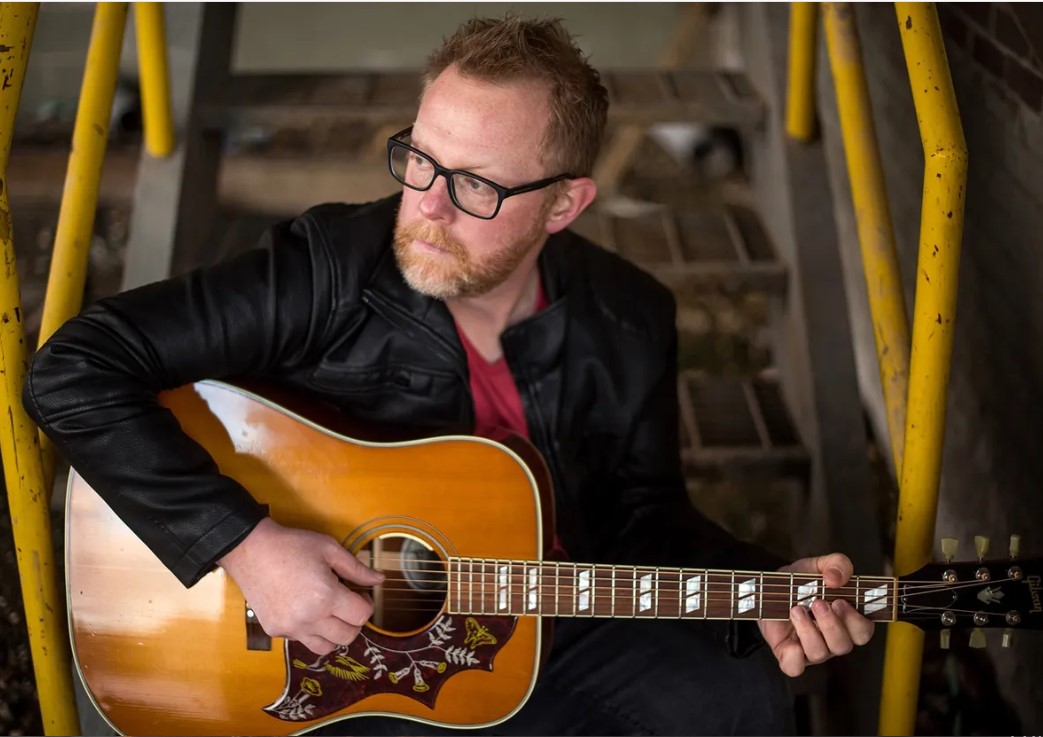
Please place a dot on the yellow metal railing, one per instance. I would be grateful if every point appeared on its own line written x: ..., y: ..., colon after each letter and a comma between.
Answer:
x: 941, y: 234
x: 915, y: 380
x: 155, y: 79
x: 75, y: 231
x: 28, y: 459
x: 23, y: 473
x: 800, y: 102
x: 873, y: 217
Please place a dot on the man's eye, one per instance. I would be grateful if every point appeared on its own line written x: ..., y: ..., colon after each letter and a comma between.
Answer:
x: 474, y: 185
x: 420, y: 161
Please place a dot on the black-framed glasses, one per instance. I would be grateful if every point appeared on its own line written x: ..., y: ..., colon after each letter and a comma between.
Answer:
x: 475, y: 195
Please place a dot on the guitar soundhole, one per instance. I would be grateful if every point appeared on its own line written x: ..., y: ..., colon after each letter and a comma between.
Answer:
x: 414, y: 588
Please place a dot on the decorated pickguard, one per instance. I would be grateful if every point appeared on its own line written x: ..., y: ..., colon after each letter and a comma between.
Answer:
x: 375, y: 663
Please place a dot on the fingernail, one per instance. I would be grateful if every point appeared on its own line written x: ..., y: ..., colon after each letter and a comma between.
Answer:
x: 836, y: 574
x: 798, y: 613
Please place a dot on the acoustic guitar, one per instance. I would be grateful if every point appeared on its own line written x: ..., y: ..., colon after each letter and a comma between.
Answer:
x: 461, y: 526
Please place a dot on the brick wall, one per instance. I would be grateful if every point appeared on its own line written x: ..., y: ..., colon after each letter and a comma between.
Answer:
x: 992, y: 465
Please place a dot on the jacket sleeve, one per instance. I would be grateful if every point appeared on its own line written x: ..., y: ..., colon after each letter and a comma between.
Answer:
x: 92, y: 388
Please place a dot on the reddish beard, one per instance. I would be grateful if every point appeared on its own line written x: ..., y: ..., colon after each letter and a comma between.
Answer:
x: 454, y: 273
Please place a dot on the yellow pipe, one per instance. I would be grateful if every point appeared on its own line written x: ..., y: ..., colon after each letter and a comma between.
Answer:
x: 90, y: 134
x: 941, y: 233
x: 155, y: 79
x: 75, y: 228
x: 23, y: 474
x: 800, y: 99
x: 873, y: 217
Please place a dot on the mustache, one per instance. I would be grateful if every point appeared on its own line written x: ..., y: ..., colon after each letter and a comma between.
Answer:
x: 433, y: 234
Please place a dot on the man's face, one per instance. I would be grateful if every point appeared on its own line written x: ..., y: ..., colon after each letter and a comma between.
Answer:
x: 493, y: 131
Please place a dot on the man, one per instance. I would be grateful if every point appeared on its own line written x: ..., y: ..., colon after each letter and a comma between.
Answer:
x: 463, y: 303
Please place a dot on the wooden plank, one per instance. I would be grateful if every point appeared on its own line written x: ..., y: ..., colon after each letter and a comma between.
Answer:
x: 298, y: 100
x: 729, y: 431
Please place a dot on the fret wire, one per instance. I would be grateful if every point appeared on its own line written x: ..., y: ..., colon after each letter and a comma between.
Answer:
x: 539, y: 590
x: 575, y: 589
x: 733, y: 594
x: 557, y: 580
x: 590, y: 586
x: 760, y: 596
x: 858, y: 595
x: 792, y: 599
x: 655, y: 592
x: 613, y: 591
x: 680, y: 610
x: 633, y: 592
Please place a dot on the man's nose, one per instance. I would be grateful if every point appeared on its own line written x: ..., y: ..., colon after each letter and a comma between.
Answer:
x: 435, y: 203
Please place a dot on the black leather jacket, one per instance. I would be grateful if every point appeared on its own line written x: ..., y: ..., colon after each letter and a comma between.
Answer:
x: 322, y: 307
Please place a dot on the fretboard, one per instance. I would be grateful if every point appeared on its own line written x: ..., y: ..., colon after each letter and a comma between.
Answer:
x: 485, y: 586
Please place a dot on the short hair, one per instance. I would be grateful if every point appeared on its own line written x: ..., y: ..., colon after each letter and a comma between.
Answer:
x: 516, y: 49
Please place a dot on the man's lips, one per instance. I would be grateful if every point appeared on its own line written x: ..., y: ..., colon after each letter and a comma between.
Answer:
x: 430, y: 247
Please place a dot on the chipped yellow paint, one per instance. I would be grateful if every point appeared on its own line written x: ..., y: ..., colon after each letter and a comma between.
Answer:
x: 27, y: 498
x: 873, y: 217
x: 941, y: 234
x: 800, y: 96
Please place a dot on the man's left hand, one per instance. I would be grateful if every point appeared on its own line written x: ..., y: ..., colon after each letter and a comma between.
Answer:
x: 815, y: 635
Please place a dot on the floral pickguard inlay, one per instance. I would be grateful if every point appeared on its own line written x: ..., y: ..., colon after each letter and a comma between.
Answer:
x: 375, y: 663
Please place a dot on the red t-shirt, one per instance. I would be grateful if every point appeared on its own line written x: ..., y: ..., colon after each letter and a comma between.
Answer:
x: 497, y: 403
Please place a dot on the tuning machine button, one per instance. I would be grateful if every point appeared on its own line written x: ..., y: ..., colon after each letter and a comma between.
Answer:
x: 981, y: 546
x: 949, y: 545
x: 977, y: 638
x: 1008, y: 637
x: 1015, y: 546
x: 943, y: 639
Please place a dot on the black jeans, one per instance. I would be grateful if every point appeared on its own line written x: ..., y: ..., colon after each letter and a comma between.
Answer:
x: 641, y: 677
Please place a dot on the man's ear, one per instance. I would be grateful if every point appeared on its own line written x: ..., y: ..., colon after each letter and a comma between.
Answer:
x: 572, y: 200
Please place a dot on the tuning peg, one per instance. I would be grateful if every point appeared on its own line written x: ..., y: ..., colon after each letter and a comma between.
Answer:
x: 943, y: 639
x: 949, y: 545
x: 1015, y: 545
x: 1008, y: 637
x: 977, y: 637
x: 981, y: 545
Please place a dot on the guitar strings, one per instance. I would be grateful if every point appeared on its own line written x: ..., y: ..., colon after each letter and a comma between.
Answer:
x: 519, y: 580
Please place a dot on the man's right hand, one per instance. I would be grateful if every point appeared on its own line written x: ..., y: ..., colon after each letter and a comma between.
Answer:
x: 291, y: 579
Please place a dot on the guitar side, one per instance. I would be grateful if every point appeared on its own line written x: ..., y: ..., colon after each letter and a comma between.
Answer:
x: 161, y: 659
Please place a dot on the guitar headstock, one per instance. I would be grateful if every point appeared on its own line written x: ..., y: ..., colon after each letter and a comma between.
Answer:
x: 997, y: 593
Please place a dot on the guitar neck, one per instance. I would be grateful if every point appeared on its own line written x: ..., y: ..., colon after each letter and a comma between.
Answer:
x: 517, y: 588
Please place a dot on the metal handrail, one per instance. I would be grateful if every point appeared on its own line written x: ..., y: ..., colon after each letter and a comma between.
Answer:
x: 800, y: 97
x: 23, y: 472
x: 941, y: 234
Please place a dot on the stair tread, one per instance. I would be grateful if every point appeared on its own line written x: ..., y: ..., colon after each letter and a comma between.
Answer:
x: 723, y: 246
x: 737, y: 425
x: 644, y: 96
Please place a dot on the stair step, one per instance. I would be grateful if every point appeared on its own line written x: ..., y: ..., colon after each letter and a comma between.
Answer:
x: 723, y: 247
x: 645, y: 96
x: 738, y: 427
